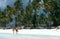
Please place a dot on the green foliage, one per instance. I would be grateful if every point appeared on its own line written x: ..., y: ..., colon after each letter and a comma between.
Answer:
x: 4, y: 19
x: 36, y: 4
x: 29, y: 15
x: 53, y: 9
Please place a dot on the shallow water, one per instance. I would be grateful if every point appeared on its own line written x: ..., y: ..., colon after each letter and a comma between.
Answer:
x: 11, y: 36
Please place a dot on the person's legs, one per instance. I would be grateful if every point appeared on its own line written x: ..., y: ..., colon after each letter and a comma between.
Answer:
x: 13, y: 31
x: 16, y: 31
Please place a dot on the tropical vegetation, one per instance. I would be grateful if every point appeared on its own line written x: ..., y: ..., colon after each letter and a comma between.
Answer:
x: 31, y: 16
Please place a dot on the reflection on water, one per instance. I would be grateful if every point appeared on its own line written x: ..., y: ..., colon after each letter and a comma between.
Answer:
x: 11, y: 36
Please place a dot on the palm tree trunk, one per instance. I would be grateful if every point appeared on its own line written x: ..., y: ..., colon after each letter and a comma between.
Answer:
x: 35, y: 24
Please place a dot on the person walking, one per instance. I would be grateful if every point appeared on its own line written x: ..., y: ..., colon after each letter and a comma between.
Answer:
x: 16, y: 29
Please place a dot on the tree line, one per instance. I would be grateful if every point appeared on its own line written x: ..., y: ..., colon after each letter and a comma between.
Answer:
x: 30, y: 16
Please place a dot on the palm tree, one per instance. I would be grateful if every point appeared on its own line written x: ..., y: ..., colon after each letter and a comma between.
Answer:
x: 17, y: 8
x: 29, y: 11
x: 51, y: 6
x: 36, y: 7
x: 4, y: 19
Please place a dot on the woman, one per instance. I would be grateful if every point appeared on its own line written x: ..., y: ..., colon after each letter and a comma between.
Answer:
x: 16, y: 28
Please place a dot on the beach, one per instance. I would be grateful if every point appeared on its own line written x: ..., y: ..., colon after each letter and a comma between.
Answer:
x: 52, y: 32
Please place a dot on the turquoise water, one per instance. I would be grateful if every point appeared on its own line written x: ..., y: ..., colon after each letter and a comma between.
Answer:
x: 11, y: 36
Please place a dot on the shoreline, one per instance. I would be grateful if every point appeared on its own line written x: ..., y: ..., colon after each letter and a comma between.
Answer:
x: 52, y: 32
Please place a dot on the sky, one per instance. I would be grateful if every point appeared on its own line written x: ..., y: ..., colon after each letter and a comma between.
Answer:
x: 4, y: 3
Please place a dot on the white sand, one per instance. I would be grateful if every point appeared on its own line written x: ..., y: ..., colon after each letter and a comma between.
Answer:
x: 53, y: 32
